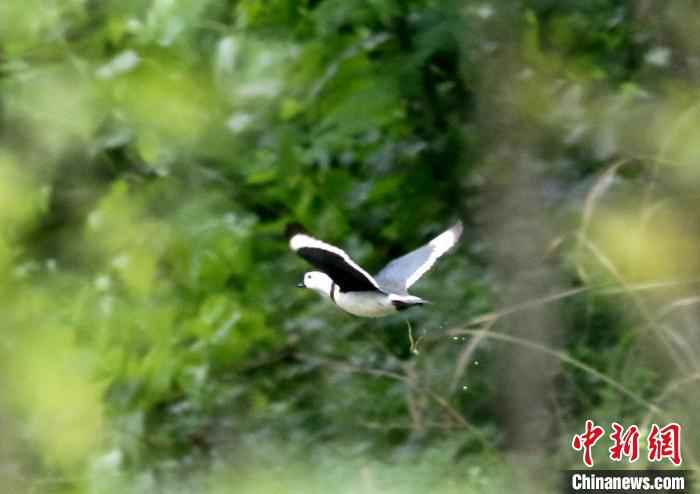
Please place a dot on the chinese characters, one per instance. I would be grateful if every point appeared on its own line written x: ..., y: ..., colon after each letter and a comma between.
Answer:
x: 663, y: 443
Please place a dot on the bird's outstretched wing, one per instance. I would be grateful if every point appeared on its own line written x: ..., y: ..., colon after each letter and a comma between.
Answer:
x: 335, y: 262
x: 401, y: 273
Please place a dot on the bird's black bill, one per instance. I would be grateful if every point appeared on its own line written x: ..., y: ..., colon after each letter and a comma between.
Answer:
x: 300, y: 285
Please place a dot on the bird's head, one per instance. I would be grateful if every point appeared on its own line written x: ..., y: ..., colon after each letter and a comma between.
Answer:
x: 318, y: 281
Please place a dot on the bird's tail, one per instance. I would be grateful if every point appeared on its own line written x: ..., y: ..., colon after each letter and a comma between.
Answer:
x: 402, y: 302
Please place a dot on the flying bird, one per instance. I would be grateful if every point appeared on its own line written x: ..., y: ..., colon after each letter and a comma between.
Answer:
x: 357, y: 292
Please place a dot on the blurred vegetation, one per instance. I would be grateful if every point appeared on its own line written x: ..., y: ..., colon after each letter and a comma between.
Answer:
x: 152, y: 152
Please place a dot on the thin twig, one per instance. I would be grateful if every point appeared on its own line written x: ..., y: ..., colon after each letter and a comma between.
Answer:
x: 607, y: 289
x: 646, y: 315
x: 561, y: 356
x: 466, y: 355
x: 670, y: 389
x: 414, y: 343
x: 441, y: 401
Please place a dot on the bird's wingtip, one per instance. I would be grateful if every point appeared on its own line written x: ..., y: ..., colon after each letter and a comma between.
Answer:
x: 453, y: 233
x: 293, y: 229
x: 456, y: 230
x: 298, y: 241
x: 294, y: 233
x: 449, y: 237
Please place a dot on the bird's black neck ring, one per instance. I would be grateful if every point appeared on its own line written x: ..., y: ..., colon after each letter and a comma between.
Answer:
x: 333, y: 292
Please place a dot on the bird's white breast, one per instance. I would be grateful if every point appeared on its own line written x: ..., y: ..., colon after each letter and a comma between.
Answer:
x: 365, y: 304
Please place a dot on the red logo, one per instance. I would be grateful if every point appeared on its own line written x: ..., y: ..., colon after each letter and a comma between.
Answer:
x: 665, y: 442
x: 587, y: 440
x: 624, y: 444
x: 662, y: 442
